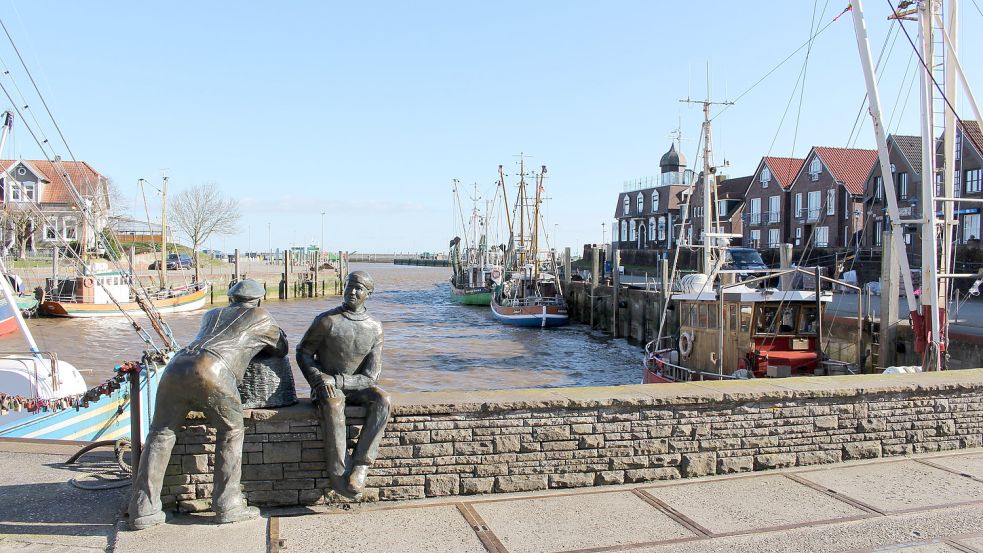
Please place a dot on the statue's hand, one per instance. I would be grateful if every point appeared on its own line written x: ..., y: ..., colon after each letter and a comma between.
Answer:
x: 325, y: 390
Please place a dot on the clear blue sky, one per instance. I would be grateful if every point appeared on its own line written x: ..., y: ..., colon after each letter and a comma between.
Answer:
x: 367, y: 111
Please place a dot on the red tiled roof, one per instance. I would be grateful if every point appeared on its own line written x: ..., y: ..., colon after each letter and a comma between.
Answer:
x: 82, y: 175
x: 784, y: 169
x: 851, y: 166
x: 974, y: 134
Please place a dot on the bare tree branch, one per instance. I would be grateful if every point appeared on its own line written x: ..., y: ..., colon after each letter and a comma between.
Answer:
x: 18, y: 219
x: 202, y: 211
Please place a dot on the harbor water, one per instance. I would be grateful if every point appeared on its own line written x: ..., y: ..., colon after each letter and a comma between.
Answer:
x: 430, y: 343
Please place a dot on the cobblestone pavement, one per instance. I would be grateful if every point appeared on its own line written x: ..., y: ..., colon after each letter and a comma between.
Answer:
x: 924, y: 503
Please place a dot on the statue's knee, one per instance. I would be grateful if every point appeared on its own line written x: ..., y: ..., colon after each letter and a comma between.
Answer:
x: 336, y: 404
x: 384, y: 402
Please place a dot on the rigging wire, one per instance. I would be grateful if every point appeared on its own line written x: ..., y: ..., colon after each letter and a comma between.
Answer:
x: 781, y: 63
x: 805, y: 68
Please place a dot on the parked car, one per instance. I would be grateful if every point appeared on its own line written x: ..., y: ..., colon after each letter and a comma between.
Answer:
x: 175, y: 261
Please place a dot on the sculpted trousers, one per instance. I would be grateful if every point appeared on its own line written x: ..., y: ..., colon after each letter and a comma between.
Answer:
x: 332, y: 410
x: 193, y: 383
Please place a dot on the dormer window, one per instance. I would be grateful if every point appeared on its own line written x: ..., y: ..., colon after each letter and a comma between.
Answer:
x: 655, y: 200
x: 640, y: 203
x: 765, y: 177
x: 25, y: 191
x: 815, y: 167
x: 625, y: 205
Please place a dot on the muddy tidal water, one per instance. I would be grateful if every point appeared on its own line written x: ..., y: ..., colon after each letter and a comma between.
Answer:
x: 430, y: 343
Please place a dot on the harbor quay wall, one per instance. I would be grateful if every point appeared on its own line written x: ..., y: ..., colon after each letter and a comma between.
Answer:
x: 462, y: 443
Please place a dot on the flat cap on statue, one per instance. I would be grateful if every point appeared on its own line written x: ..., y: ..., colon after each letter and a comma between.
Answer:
x: 247, y: 289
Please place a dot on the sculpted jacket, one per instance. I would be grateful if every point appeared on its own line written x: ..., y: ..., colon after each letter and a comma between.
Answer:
x: 235, y: 334
x: 342, y: 345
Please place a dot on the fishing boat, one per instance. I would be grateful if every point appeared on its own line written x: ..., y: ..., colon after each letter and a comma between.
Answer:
x: 725, y: 329
x: 45, y: 397
x: 532, y: 295
x: 477, y: 268
x: 106, y: 293
x: 99, y: 292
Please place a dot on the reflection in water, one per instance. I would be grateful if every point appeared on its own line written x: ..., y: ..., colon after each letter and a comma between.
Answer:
x: 431, y: 343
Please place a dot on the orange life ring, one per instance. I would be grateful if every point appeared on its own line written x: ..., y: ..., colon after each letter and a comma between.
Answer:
x: 496, y: 274
x: 88, y: 282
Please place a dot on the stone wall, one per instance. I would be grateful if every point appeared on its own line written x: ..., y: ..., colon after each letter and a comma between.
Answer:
x: 459, y: 443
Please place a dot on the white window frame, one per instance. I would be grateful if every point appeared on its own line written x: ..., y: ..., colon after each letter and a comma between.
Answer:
x: 831, y: 201
x: 49, y: 229
x: 814, y: 202
x: 625, y: 205
x: 755, y: 238
x: 640, y: 203
x: 69, y: 228
x: 878, y: 232
x: 878, y: 189
x: 821, y: 237
x: 655, y: 201
x: 765, y: 177
x: 662, y: 228
x: 815, y: 168
x: 971, y: 227
x: 755, y: 211
x: 974, y: 180
x: 651, y: 232
x: 774, y: 238
x: 624, y: 229
x: 798, y: 204
x: 902, y: 185
x: 774, y: 208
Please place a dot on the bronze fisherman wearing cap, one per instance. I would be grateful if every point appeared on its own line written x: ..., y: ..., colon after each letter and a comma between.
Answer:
x: 341, y: 358
x: 204, y: 377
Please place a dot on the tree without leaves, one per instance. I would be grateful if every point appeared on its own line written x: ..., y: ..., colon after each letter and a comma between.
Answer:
x: 18, y: 219
x: 201, y: 211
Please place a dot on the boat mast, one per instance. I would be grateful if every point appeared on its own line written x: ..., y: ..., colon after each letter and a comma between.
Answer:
x: 949, y: 156
x: 8, y: 294
x: 887, y: 178
x: 709, y: 182
x: 163, y: 235
x: 535, y: 222
x: 521, y: 206
x: 932, y: 287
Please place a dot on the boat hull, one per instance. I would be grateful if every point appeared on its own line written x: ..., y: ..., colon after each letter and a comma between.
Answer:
x: 107, y: 418
x: 470, y: 297
x: 186, y: 302
x: 531, y: 315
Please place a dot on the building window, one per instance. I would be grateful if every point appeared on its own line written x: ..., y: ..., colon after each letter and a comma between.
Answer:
x: 773, y: 238
x: 878, y: 189
x: 902, y: 179
x: 973, y: 182
x: 755, y: 238
x: 651, y: 235
x: 662, y: 228
x: 815, y: 202
x: 878, y: 232
x: 822, y: 237
x: 971, y: 227
x: 640, y: 203
x: 815, y: 168
x: 939, y: 183
x: 625, y: 205
x: 798, y: 205
x: 755, y: 211
x: 831, y: 201
x: 774, y: 208
x: 50, y: 232
x: 69, y: 229
x: 631, y: 232
x: 624, y: 230
x: 655, y: 200
x: 765, y: 177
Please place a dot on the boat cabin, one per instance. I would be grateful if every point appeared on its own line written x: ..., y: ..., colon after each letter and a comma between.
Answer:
x: 98, y: 288
x: 769, y: 332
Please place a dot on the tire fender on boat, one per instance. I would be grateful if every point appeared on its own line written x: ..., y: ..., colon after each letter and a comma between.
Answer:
x: 686, y: 344
x: 88, y: 282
